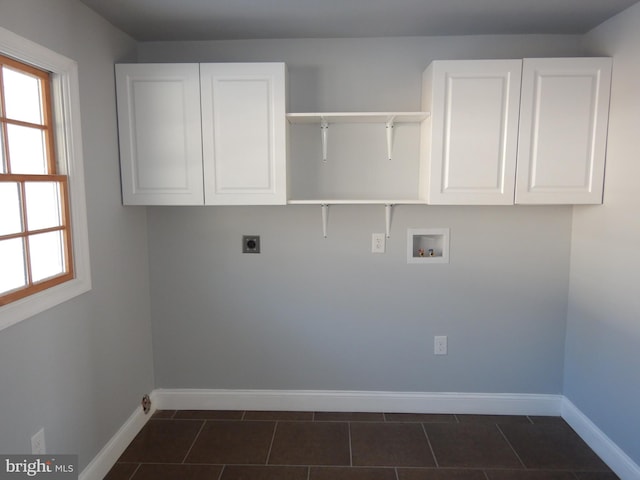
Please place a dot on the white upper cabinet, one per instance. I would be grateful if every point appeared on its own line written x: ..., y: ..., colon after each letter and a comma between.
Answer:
x: 471, y: 138
x: 196, y: 134
x: 244, y: 133
x: 563, y: 128
x: 160, y: 142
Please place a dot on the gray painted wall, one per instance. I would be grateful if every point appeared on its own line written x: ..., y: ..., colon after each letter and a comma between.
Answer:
x: 315, y: 313
x: 80, y: 369
x: 325, y: 313
x: 603, y: 335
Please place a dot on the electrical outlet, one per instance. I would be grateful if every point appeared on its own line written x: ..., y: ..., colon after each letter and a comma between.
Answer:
x: 250, y: 244
x: 377, y: 242
x: 440, y: 345
x: 37, y: 443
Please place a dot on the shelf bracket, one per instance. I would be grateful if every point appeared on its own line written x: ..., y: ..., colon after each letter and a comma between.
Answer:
x: 389, y: 126
x: 324, y: 130
x: 387, y: 219
x: 325, y: 216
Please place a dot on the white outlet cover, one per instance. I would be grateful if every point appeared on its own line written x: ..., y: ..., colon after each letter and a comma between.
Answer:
x: 440, y: 345
x: 378, y: 241
x: 37, y: 443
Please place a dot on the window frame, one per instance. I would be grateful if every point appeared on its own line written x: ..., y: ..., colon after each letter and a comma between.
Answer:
x: 65, y: 106
x: 52, y: 175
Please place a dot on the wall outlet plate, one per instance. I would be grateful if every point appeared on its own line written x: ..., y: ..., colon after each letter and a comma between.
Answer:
x: 440, y: 345
x: 378, y: 241
x: 37, y: 443
x: 251, y: 244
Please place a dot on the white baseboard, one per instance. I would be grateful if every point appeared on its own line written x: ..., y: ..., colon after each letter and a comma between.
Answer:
x: 108, y: 456
x: 358, y: 401
x: 363, y: 401
x: 600, y: 443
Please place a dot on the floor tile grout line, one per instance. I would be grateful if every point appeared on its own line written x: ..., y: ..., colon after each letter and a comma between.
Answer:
x: 395, y: 469
x: 486, y: 475
x: 510, y: 446
x: 273, y: 437
x: 135, y: 471
x: 221, y: 472
x: 204, y: 422
x: 350, y: 447
x: 308, y: 472
x: 433, y: 453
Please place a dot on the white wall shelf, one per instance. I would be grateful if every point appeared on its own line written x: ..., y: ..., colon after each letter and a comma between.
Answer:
x: 389, y: 119
x: 363, y: 162
x: 325, y: 217
x: 334, y: 201
x: 357, y: 117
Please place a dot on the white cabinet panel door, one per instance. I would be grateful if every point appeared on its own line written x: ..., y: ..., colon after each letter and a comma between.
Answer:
x: 160, y: 135
x: 244, y: 133
x: 474, y: 124
x: 563, y: 128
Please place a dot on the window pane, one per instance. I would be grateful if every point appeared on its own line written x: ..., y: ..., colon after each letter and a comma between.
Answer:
x: 10, y: 208
x: 47, y: 258
x: 43, y: 205
x: 12, y: 260
x: 22, y: 96
x: 27, y: 150
x: 3, y: 161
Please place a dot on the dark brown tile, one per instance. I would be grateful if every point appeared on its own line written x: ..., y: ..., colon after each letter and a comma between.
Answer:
x: 351, y: 473
x: 121, y: 471
x: 159, y: 471
x: 162, y: 441
x: 493, y: 419
x: 471, y: 445
x: 264, y: 473
x: 439, y: 474
x: 232, y: 442
x: 163, y: 414
x: 310, y: 443
x: 547, y: 419
x: 420, y: 417
x: 529, y: 475
x: 348, y: 417
x: 552, y: 446
x: 596, y: 476
x: 390, y: 444
x: 209, y: 414
x: 291, y: 416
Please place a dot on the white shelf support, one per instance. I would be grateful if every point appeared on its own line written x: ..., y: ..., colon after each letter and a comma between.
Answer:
x: 387, y: 219
x: 389, y: 126
x: 325, y: 218
x: 324, y: 131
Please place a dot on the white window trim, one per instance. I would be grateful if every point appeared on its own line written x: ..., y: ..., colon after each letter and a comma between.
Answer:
x: 65, y: 96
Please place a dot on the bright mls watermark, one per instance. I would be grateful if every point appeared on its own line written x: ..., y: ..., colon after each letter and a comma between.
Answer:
x: 50, y: 467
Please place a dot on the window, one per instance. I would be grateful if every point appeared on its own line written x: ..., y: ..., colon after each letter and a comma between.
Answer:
x: 35, y: 238
x: 44, y: 251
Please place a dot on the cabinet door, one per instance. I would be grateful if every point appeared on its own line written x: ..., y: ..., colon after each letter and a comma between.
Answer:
x: 563, y: 127
x: 160, y: 137
x: 471, y: 154
x: 244, y: 133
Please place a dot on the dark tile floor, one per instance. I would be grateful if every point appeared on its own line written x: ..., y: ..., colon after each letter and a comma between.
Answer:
x: 236, y: 445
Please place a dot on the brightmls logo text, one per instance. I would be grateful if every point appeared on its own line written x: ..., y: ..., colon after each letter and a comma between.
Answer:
x: 51, y: 467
